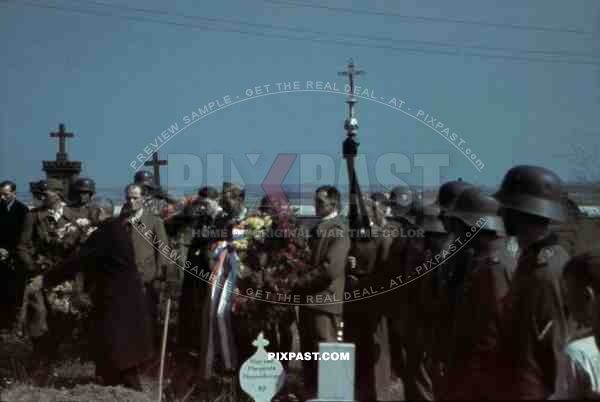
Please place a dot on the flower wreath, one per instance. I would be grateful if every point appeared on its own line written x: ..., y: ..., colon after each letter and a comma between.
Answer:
x: 61, y: 297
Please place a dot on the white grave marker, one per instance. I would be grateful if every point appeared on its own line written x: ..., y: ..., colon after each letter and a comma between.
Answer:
x: 260, y: 377
x: 336, y: 377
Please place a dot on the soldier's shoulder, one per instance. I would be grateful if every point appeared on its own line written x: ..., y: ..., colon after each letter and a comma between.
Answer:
x: 552, y: 255
x: 549, y: 262
x: 499, y: 260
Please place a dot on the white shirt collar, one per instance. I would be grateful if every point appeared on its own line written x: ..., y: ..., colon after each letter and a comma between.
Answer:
x: 138, y: 215
x: 10, y: 204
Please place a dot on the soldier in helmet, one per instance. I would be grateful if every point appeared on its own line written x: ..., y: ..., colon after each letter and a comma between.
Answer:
x: 144, y: 179
x: 38, y: 189
x: 471, y: 369
x: 424, y: 253
x: 402, y: 220
x: 442, y: 276
x: 51, y: 237
x: 534, y: 324
x: 83, y: 192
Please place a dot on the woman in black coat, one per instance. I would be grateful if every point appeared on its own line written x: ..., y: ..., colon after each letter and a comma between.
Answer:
x: 122, y: 338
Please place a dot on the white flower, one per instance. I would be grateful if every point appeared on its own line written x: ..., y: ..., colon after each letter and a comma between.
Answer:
x: 82, y: 222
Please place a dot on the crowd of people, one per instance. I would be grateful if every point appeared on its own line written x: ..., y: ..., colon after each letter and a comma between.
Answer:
x: 478, y: 299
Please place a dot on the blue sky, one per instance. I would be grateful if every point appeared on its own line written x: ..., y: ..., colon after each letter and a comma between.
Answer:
x: 119, y: 83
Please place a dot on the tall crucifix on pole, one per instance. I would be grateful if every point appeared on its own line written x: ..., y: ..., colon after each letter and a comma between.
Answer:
x: 357, y: 215
x: 62, y: 135
x: 156, y: 164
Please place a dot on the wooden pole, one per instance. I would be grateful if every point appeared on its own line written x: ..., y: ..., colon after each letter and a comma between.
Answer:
x: 163, y: 350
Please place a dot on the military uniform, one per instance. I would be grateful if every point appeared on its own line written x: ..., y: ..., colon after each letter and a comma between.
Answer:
x: 44, y: 249
x: 535, y: 328
x: 535, y: 323
x: 394, y: 303
x: 403, y: 304
x: 477, y: 320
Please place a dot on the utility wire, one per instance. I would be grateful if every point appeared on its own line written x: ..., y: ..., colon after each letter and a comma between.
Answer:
x: 296, y: 29
x: 210, y: 26
x: 416, y: 18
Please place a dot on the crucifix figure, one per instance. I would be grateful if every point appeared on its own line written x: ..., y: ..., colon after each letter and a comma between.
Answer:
x: 156, y: 164
x: 62, y: 135
x: 357, y: 213
x: 350, y: 73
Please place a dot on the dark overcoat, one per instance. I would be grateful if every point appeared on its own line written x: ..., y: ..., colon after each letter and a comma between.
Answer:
x: 122, y: 329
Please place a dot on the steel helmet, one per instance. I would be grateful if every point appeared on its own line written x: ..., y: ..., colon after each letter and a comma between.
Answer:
x: 38, y: 187
x: 477, y: 209
x: 84, y: 185
x: 533, y: 190
x: 401, y: 195
x: 427, y: 217
x: 449, y: 192
x: 143, y: 177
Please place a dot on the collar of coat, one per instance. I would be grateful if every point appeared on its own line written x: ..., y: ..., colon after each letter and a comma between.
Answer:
x: 331, y: 216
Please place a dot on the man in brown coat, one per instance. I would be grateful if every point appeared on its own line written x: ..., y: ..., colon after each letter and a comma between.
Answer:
x: 151, y: 248
x: 322, y: 283
x: 534, y: 323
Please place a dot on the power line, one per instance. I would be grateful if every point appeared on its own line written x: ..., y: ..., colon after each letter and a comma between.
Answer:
x: 296, y: 29
x: 413, y: 18
x: 210, y: 26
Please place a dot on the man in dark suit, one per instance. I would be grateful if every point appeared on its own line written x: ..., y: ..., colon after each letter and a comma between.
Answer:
x: 13, y: 216
x: 122, y: 327
x: 322, y: 283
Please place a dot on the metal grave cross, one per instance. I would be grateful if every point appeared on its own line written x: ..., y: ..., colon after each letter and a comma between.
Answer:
x: 156, y: 164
